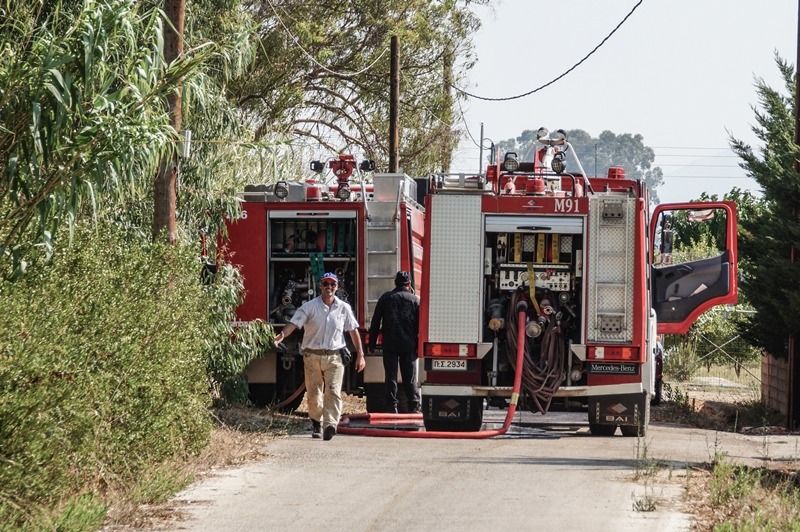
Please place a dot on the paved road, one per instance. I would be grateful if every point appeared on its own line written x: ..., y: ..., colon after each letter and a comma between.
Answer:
x: 534, y: 478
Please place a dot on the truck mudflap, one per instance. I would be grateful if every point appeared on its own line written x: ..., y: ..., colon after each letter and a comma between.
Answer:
x: 629, y: 412
x: 452, y: 413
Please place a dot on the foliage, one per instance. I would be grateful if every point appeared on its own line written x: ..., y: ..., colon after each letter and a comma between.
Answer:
x: 323, y: 74
x: 598, y: 154
x: 81, y: 114
x: 230, y: 349
x: 770, y: 279
x: 83, y: 123
x: 102, y: 370
x: 748, y: 208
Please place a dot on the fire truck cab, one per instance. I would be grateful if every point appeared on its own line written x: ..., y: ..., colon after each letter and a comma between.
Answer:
x: 364, y: 229
x: 577, y: 255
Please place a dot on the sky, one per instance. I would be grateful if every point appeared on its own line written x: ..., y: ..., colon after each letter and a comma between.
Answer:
x: 679, y: 72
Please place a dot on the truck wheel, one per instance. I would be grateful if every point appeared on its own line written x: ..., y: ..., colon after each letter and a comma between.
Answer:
x: 602, y: 430
x: 261, y: 394
x: 632, y: 431
x: 376, y: 398
x: 473, y: 425
x: 293, y: 404
x: 640, y: 429
x: 264, y: 395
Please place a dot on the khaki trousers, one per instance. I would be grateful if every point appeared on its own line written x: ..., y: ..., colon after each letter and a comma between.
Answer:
x: 324, y: 374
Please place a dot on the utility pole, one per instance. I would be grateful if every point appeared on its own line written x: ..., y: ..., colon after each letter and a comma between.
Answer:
x: 394, y: 107
x: 166, y: 180
x: 447, y: 142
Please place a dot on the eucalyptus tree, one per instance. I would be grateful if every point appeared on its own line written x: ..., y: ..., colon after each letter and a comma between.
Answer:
x: 83, y: 123
x: 322, y: 75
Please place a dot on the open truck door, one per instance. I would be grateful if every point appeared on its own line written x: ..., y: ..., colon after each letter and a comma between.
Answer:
x: 689, y: 279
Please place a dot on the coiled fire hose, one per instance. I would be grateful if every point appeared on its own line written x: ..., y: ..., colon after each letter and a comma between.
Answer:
x: 541, y: 377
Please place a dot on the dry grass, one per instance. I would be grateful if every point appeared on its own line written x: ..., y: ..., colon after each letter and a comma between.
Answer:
x: 724, y: 497
x: 240, y: 436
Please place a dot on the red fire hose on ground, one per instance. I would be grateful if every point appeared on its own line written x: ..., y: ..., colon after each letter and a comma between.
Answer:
x: 343, y: 427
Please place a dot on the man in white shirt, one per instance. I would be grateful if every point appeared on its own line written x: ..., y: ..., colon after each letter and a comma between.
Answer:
x: 324, y: 320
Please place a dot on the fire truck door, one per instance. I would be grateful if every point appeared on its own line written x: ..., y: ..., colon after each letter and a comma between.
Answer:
x: 682, y: 289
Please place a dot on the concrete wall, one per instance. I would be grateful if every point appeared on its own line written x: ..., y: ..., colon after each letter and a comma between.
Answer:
x: 775, y: 383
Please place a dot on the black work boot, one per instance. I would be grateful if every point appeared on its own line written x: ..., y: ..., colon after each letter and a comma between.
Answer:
x: 413, y: 408
x: 316, y: 429
x: 330, y: 430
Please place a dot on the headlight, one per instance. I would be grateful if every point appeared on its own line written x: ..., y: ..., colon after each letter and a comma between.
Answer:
x: 558, y: 164
x: 281, y: 189
x: 510, y: 163
x: 343, y: 192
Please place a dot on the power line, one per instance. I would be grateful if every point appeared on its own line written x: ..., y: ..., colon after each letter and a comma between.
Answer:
x: 665, y: 177
x: 313, y: 60
x: 573, y: 67
x: 699, y: 165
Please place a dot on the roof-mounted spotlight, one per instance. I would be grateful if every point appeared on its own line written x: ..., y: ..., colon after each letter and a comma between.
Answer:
x: 281, y: 189
x: 510, y: 162
x: 343, y: 192
x: 560, y: 134
x: 558, y: 165
x: 367, y: 165
x: 542, y: 133
x: 317, y: 166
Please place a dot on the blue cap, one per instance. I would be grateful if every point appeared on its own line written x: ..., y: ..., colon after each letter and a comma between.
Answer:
x: 331, y: 276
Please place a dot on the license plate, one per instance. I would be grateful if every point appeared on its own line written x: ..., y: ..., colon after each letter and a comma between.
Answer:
x: 449, y: 364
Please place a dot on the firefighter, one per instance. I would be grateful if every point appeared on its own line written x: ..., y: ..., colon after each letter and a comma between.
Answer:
x: 325, y: 319
x: 397, y: 316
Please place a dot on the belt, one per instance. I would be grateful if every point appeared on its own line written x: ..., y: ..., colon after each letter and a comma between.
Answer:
x: 321, y: 352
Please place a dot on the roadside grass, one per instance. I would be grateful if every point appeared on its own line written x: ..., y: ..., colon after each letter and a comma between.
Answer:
x: 723, y: 496
x: 727, y: 497
x: 239, y: 436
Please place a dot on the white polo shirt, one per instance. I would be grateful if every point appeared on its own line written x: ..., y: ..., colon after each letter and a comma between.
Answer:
x: 324, y: 326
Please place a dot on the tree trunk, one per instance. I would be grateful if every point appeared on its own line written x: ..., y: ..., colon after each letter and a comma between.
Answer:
x: 166, y: 180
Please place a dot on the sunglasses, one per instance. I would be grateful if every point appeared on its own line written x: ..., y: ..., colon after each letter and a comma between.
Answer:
x: 326, y: 283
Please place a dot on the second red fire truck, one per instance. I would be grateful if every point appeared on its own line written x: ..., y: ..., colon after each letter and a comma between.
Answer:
x: 361, y: 225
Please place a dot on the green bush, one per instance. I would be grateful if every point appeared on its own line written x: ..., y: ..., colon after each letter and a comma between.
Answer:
x: 103, y: 373
x: 230, y: 349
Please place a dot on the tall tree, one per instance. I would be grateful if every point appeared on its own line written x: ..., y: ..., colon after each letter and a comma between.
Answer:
x: 771, y: 282
x: 598, y: 154
x: 83, y: 123
x: 323, y: 74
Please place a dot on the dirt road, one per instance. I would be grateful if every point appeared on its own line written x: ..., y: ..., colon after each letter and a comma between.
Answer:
x: 544, y: 478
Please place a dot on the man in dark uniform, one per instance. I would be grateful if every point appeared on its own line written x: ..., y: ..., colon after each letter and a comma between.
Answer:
x: 397, y: 317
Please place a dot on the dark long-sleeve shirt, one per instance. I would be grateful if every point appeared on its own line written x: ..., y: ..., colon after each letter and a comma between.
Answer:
x: 397, y: 316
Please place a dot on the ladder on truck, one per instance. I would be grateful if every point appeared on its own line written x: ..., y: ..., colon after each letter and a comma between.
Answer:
x: 610, y: 283
x: 382, y: 257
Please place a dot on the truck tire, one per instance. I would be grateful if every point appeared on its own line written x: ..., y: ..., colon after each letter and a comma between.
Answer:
x: 265, y: 395
x: 640, y: 429
x: 602, y: 430
x: 473, y: 425
x: 376, y: 398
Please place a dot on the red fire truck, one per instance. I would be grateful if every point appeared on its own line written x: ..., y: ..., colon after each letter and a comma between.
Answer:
x: 588, y: 265
x: 363, y: 226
